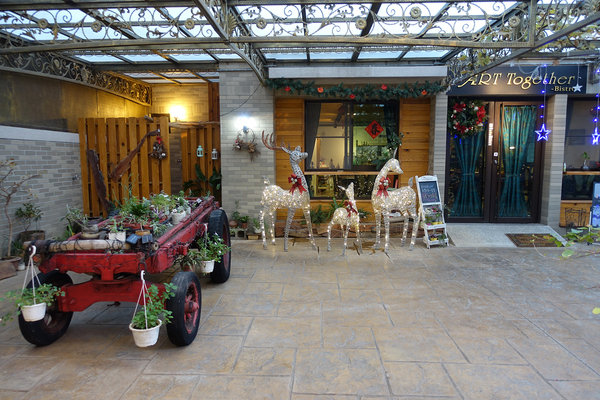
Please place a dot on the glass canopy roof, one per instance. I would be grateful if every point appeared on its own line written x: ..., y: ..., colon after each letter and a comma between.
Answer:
x: 186, y: 40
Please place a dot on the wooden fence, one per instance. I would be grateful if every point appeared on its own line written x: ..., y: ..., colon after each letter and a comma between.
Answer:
x: 208, y: 136
x: 113, y: 139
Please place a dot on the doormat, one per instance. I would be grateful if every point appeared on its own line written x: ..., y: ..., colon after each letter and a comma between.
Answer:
x: 532, y: 239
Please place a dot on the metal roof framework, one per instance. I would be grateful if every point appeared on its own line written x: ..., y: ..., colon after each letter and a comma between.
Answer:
x: 120, y: 45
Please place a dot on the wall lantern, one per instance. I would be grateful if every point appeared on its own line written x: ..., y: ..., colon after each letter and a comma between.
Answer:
x: 214, y: 155
x: 199, y: 151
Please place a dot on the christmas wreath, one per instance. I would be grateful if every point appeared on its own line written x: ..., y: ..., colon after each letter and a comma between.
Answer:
x: 466, y: 118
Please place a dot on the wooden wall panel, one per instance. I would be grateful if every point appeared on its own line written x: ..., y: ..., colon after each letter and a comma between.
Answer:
x: 113, y: 139
x: 413, y: 154
x: 209, y: 137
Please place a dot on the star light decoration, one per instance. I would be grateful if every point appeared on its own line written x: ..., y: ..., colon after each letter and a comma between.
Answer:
x: 543, y: 132
x: 596, y: 135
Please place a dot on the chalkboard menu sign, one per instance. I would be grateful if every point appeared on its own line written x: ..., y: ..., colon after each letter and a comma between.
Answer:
x: 429, y: 192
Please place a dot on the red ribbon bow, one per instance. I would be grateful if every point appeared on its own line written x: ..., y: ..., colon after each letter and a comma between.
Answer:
x: 296, y: 184
x: 383, y: 185
x: 350, y: 208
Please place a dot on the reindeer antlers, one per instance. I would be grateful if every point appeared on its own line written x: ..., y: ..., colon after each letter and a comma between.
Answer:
x: 272, y: 145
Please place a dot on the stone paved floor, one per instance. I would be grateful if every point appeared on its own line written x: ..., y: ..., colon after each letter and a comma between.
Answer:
x: 446, y: 323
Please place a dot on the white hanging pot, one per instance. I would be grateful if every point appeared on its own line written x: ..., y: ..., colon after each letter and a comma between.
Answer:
x: 207, y: 266
x: 120, y: 236
x: 35, y: 312
x: 177, y: 217
x: 145, y: 337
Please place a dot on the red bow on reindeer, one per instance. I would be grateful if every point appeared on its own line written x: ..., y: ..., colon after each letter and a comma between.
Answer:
x: 296, y: 184
x: 383, y: 185
x: 350, y: 208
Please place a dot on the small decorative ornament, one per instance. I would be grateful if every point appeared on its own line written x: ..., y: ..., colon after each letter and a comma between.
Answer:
x: 43, y: 23
x: 320, y: 89
x: 374, y: 129
x: 424, y: 92
x: 296, y: 184
x: 158, y: 149
x: 96, y: 26
x: 352, y: 96
x: 415, y: 12
x: 190, y: 23
x: 287, y: 88
x: 350, y: 208
x: 261, y: 23
x: 514, y: 21
x: 543, y: 132
x: 361, y: 23
x: 383, y: 186
x: 383, y: 87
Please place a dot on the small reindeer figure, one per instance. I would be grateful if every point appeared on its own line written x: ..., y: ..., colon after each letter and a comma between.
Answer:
x: 345, y: 216
x: 403, y: 200
x: 274, y: 197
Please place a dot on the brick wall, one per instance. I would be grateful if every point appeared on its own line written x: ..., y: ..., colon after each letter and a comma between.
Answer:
x: 241, y: 94
x: 54, y: 156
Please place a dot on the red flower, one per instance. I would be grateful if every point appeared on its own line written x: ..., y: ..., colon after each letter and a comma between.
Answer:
x: 352, y: 96
x: 287, y: 88
x: 383, y: 87
x: 459, y: 107
x: 320, y: 89
x: 424, y: 92
x: 480, y: 115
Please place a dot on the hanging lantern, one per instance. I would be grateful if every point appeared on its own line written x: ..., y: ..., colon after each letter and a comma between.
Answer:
x: 214, y: 154
x: 199, y: 151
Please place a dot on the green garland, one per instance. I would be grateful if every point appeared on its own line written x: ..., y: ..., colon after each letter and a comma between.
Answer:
x: 359, y: 93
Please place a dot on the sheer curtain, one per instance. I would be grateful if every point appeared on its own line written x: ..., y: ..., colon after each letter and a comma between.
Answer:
x: 467, y: 202
x: 518, y: 124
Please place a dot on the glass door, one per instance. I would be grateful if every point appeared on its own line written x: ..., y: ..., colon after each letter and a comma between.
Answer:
x: 495, y: 175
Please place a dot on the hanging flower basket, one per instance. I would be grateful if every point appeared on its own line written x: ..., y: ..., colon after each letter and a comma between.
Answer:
x: 145, y: 337
x: 34, y: 312
x: 466, y: 118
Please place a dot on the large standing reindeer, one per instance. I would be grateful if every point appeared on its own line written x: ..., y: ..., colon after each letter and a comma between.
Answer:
x: 403, y: 200
x: 274, y: 197
x: 345, y: 216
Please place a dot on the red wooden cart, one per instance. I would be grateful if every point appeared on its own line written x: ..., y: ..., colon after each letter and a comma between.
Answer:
x: 115, y: 269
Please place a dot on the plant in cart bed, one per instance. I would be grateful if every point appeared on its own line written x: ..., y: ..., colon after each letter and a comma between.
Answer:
x: 211, y: 249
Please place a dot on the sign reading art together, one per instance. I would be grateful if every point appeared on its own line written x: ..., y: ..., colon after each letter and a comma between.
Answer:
x: 527, y: 79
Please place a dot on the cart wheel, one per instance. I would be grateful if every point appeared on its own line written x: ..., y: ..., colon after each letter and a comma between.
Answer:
x: 186, y: 306
x: 217, y: 223
x: 55, y: 322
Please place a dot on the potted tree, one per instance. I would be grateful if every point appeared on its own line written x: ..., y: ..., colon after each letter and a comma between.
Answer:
x: 10, y: 184
x: 32, y: 301
x: 29, y: 213
x: 146, y: 322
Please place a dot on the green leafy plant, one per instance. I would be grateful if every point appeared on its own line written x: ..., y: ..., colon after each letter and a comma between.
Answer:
x: 318, y: 215
x: 196, y: 186
x: 162, y: 203
x: 115, y: 225
x: 212, y: 248
x: 45, y: 293
x: 29, y: 213
x: 155, y: 308
x: 75, y: 219
x: 159, y: 228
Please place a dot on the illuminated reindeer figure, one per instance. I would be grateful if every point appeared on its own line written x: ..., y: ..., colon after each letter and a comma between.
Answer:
x: 403, y: 200
x: 345, y: 216
x: 274, y: 197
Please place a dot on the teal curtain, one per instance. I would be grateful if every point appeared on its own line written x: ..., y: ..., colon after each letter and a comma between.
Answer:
x: 518, y: 124
x: 467, y: 202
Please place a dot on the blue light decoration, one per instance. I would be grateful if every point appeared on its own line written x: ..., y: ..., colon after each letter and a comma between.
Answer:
x: 543, y: 132
x: 596, y: 135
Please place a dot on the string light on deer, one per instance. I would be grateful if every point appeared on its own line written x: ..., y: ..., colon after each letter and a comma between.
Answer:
x: 543, y: 132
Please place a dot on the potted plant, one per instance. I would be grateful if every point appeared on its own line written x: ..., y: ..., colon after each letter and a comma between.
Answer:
x: 256, y: 226
x: 116, y: 230
x: 243, y: 221
x: 28, y: 213
x: 586, y: 159
x: 32, y: 302
x: 10, y: 184
x: 146, y: 322
x: 137, y: 212
x: 211, y: 249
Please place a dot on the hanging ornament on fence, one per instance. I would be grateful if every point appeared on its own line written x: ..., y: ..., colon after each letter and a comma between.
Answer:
x: 158, y: 149
x: 543, y: 132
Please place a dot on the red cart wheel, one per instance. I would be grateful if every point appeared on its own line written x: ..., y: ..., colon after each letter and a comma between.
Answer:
x: 55, y: 322
x: 186, y: 306
x: 217, y: 223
